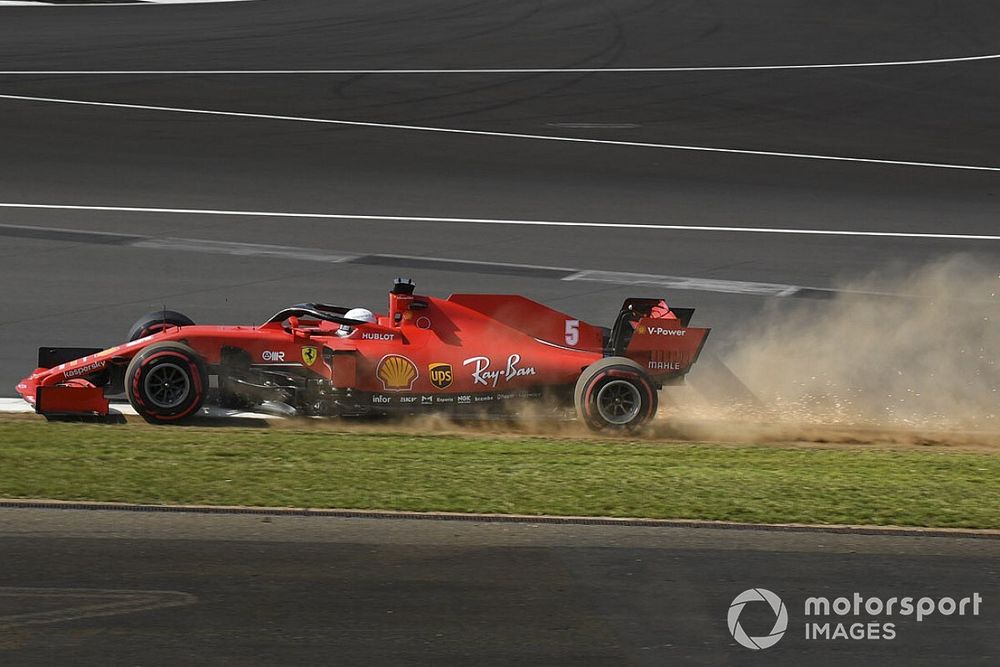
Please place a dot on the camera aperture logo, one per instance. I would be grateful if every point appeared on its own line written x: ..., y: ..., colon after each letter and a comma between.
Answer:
x: 780, y: 618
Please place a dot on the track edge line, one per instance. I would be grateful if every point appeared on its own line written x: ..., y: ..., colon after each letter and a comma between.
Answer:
x: 346, y: 513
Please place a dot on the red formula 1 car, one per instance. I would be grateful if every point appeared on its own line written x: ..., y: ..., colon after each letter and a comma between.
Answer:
x: 469, y: 353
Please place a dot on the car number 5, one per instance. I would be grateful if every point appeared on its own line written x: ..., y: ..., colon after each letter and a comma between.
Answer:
x: 572, y: 332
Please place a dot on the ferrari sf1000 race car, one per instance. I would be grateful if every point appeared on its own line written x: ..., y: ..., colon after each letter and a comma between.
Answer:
x: 467, y: 354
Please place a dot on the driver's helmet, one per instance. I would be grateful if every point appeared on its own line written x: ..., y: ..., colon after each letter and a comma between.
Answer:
x: 362, y: 314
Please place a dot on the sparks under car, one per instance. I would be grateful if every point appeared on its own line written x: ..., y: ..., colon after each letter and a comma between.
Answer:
x: 467, y: 354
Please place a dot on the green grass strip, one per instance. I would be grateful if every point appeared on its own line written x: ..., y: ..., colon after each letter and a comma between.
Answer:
x: 476, y: 473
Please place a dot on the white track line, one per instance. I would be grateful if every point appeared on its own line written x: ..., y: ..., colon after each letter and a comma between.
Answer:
x: 690, y: 283
x: 88, y: 603
x: 241, y: 249
x: 143, y: 3
x: 504, y: 221
x: 475, y: 262
x: 514, y: 70
x: 19, y: 406
x: 505, y: 135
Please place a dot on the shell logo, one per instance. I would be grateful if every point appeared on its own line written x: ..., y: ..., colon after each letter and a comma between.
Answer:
x: 396, y: 372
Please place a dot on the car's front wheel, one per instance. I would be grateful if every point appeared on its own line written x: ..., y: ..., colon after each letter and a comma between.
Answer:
x: 166, y: 382
x: 615, y: 394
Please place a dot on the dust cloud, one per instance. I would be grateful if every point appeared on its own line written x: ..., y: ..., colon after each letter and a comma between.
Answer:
x: 910, y: 349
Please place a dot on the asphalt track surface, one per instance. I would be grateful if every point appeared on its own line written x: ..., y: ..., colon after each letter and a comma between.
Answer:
x: 591, y: 595
x: 249, y: 590
x: 59, y: 290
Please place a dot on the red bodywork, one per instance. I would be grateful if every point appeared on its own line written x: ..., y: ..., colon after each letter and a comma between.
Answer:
x: 469, y: 348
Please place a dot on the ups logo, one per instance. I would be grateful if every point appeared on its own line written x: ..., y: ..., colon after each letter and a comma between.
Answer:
x: 440, y: 375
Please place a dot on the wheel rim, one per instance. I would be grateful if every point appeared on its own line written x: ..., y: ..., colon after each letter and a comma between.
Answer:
x: 166, y: 385
x: 619, y: 402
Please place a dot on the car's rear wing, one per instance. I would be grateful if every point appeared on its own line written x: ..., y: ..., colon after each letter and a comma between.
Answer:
x: 657, y: 338
x: 664, y: 347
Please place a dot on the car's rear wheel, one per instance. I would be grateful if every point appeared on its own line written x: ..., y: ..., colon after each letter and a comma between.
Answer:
x: 157, y: 321
x: 166, y: 382
x: 615, y: 394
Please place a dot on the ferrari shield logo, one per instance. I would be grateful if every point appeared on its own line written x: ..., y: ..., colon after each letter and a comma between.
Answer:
x: 440, y: 374
x: 309, y: 355
x: 396, y: 372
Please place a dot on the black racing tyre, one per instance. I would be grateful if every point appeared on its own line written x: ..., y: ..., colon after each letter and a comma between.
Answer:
x: 166, y: 382
x: 157, y: 321
x: 615, y: 394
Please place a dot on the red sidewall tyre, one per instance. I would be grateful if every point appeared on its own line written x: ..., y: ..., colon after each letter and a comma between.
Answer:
x: 615, y: 377
x: 166, y: 382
